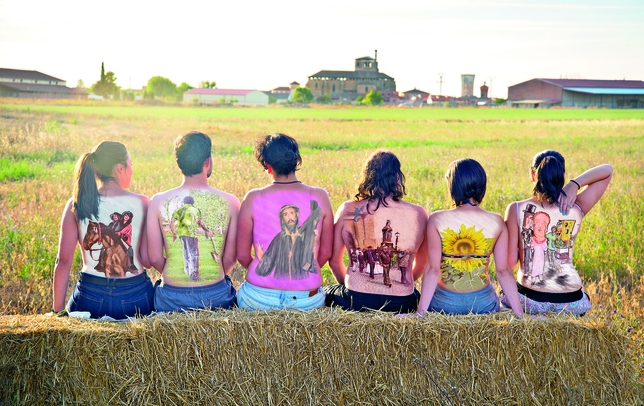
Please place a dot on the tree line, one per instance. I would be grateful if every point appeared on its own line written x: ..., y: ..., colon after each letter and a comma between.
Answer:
x: 163, y: 88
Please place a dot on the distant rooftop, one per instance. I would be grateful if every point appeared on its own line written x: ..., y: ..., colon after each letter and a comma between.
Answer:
x: 614, y: 84
x: 26, y: 74
x: 234, y: 92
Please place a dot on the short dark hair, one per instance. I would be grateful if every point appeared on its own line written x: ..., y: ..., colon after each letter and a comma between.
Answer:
x: 191, y: 151
x: 280, y: 151
x: 381, y: 177
x: 549, y: 168
x: 466, y: 179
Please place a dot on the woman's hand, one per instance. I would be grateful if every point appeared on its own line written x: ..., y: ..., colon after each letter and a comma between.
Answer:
x: 568, y: 198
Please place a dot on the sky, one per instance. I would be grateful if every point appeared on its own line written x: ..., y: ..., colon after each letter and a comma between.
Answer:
x: 262, y: 45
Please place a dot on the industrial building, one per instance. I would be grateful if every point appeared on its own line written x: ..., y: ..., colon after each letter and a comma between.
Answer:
x: 237, y: 96
x: 36, y: 85
x: 348, y: 85
x: 578, y: 93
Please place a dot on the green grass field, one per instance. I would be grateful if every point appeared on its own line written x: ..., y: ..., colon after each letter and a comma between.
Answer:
x: 39, y: 143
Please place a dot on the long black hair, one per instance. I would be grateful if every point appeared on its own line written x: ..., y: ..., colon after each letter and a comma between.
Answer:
x: 549, y: 168
x: 91, y: 167
x: 381, y: 177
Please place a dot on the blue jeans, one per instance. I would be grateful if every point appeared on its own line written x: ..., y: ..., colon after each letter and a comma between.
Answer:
x: 118, y: 298
x: 168, y: 298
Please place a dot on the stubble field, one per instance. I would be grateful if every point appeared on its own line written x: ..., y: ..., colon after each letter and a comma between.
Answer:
x: 39, y: 144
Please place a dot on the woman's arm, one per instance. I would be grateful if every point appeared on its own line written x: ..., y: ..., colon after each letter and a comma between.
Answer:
x: 336, y: 262
x: 433, y: 269
x: 245, y: 232
x: 65, y: 257
x: 512, y: 227
x: 154, y: 235
x: 326, y: 234
x: 504, y: 273
x: 229, y: 250
x: 420, y: 260
x: 143, y: 239
x: 591, y: 188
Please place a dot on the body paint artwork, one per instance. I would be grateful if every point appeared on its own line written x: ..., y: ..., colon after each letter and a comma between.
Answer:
x: 189, y: 224
x: 116, y: 255
x: 290, y: 253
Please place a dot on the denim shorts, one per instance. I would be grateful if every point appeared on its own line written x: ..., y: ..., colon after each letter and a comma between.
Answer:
x: 479, y: 302
x: 118, y: 298
x: 169, y: 298
x: 254, y: 297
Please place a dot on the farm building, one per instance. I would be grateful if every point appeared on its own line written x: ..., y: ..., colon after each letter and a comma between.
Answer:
x: 238, y: 96
x: 35, y: 85
x: 348, y: 85
x: 282, y: 94
x: 578, y: 93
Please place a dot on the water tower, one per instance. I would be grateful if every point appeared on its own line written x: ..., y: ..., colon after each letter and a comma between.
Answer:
x: 467, y: 85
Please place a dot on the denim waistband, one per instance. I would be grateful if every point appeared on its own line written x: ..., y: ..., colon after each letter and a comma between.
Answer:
x: 99, y: 280
x: 296, y: 294
x: 196, y: 288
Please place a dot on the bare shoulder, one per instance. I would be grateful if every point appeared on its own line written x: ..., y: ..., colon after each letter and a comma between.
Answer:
x: 320, y: 193
x: 232, y: 199
x: 142, y: 198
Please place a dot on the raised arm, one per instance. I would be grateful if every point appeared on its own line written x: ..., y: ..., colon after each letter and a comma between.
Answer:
x: 336, y: 262
x: 245, y: 232
x: 229, y: 251
x: 504, y: 273
x: 154, y: 235
x: 587, y: 188
x: 511, y: 222
x: 65, y: 257
x: 433, y: 269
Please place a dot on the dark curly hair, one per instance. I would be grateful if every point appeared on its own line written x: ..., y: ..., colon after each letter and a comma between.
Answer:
x: 280, y: 151
x: 381, y: 177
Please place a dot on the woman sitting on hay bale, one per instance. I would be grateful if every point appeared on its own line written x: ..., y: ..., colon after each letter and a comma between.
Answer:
x: 380, y: 230
x: 542, y: 232
x: 461, y: 241
x: 113, y: 281
x: 290, y: 227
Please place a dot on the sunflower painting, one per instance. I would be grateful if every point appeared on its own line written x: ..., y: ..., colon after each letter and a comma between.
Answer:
x: 464, y: 272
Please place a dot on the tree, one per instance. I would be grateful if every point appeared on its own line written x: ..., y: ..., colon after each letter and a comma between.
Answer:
x: 325, y: 99
x: 302, y: 95
x: 160, y: 87
x: 106, y: 86
x: 204, y: 84
x: 374, y: 98
x: 183, y: 87
x: 80, y: 84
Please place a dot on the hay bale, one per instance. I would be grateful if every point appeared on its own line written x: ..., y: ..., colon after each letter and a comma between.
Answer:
x: 320, y: 357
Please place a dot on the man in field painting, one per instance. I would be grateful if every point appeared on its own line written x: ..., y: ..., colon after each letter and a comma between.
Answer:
x: 213, y: 289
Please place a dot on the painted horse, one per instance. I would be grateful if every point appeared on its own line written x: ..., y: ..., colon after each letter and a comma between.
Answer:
x: 113, y: 259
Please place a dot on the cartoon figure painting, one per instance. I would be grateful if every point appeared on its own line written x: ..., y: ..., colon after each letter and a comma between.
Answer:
x: 547, y: 248
x: 290, y: 254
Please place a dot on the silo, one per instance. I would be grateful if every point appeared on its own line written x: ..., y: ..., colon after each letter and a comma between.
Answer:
x: 467, y: 85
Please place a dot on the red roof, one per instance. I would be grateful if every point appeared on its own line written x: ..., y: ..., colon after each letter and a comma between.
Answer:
x: 234, y: 92
x: 615, y: 84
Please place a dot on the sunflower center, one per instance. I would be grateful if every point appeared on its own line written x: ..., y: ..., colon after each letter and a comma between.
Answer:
x: 464, y: 246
